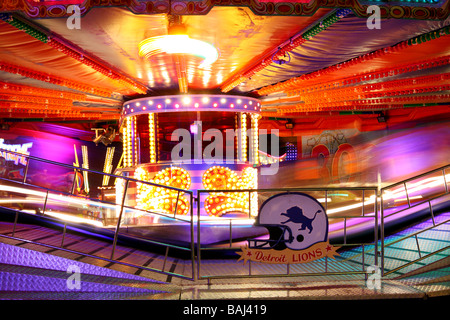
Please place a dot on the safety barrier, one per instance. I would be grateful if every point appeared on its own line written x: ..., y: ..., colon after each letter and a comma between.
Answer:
x: 421, y: 192
x: 57, y: 195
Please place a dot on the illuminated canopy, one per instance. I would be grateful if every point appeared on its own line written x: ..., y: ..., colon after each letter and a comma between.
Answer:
x: 51, y: 73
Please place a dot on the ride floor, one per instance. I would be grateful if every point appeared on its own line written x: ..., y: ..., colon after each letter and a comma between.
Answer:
x: 33, y: 271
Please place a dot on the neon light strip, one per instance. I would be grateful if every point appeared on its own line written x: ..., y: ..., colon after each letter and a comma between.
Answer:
x: 287, y: 47
x: 85, y: 165
x: 243, y: 156
x: 152, y: 137
x: 297, y: 82
x: 41, y: 76
x: 255, y: 136
x: 127, y: 144
x: 107, y: 168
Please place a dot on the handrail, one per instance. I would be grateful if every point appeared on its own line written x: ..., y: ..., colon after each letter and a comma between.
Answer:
x: 47, y: 190
x: 414, y: 234
x: 290, y: 189
x: 417, y: 177
x: 378, y: 207
x: 410, y: 206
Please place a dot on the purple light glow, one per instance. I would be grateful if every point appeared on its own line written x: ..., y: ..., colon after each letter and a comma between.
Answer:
x: 194, y: 128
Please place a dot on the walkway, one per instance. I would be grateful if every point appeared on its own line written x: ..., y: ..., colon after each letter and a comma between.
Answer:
x: 30, y: 271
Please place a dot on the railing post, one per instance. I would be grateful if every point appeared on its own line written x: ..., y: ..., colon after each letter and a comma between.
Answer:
x: 176, y: 204
x: 249, y: 205
x: 63, y: 236
x: 445, y: 181
x: 26, y: 171
x: 363, y: 197
x: 431, y: 212
x: 74, y: 181
x: 45, y: 203
x: 376, y: 227
x: 345, y: 230
x: 407, y: 195
x: 363, y: 256
x: 165, y: 259
x: 116, y: 234
x: 231, y: 233
x: 382, y: 232
x: 418, y: 248
x: 15, y: 223
x: 192, y: 235
x: 199, y: 259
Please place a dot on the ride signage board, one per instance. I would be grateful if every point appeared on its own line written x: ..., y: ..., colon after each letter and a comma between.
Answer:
x: 18, y: 148
x: 298, y: 231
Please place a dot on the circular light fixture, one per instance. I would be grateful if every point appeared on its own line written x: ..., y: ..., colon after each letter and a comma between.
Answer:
x: 186, y: 100
x: 178, y: 44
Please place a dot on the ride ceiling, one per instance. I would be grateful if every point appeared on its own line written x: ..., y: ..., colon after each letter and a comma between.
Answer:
x: 319, y: 58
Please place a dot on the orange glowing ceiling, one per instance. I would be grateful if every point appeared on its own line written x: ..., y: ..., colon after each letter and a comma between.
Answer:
x: 113, y: 35
x: 328, y: 51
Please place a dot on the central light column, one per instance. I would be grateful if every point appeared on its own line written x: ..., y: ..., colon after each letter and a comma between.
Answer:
x: 254, y: 143
x: 152, y: 137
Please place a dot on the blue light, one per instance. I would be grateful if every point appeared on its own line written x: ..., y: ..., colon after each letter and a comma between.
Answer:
x: 291, y: 151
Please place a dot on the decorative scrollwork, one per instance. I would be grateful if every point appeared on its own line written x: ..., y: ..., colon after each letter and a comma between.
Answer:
x: 192, y: 7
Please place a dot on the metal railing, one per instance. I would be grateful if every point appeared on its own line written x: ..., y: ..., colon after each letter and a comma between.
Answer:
x: 419, y: 195
x: 23, y: 192
x: 370, y: 207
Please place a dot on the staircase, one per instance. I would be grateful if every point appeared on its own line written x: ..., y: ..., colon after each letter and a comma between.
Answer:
x: 433, y: 280
x: 27, y: 274
x: 418, y: 244
x: 33, y: 272
x: 426, y: 273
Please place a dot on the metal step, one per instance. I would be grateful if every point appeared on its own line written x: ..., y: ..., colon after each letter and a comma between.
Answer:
x: 405, y: 251
x: 30, y: 274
